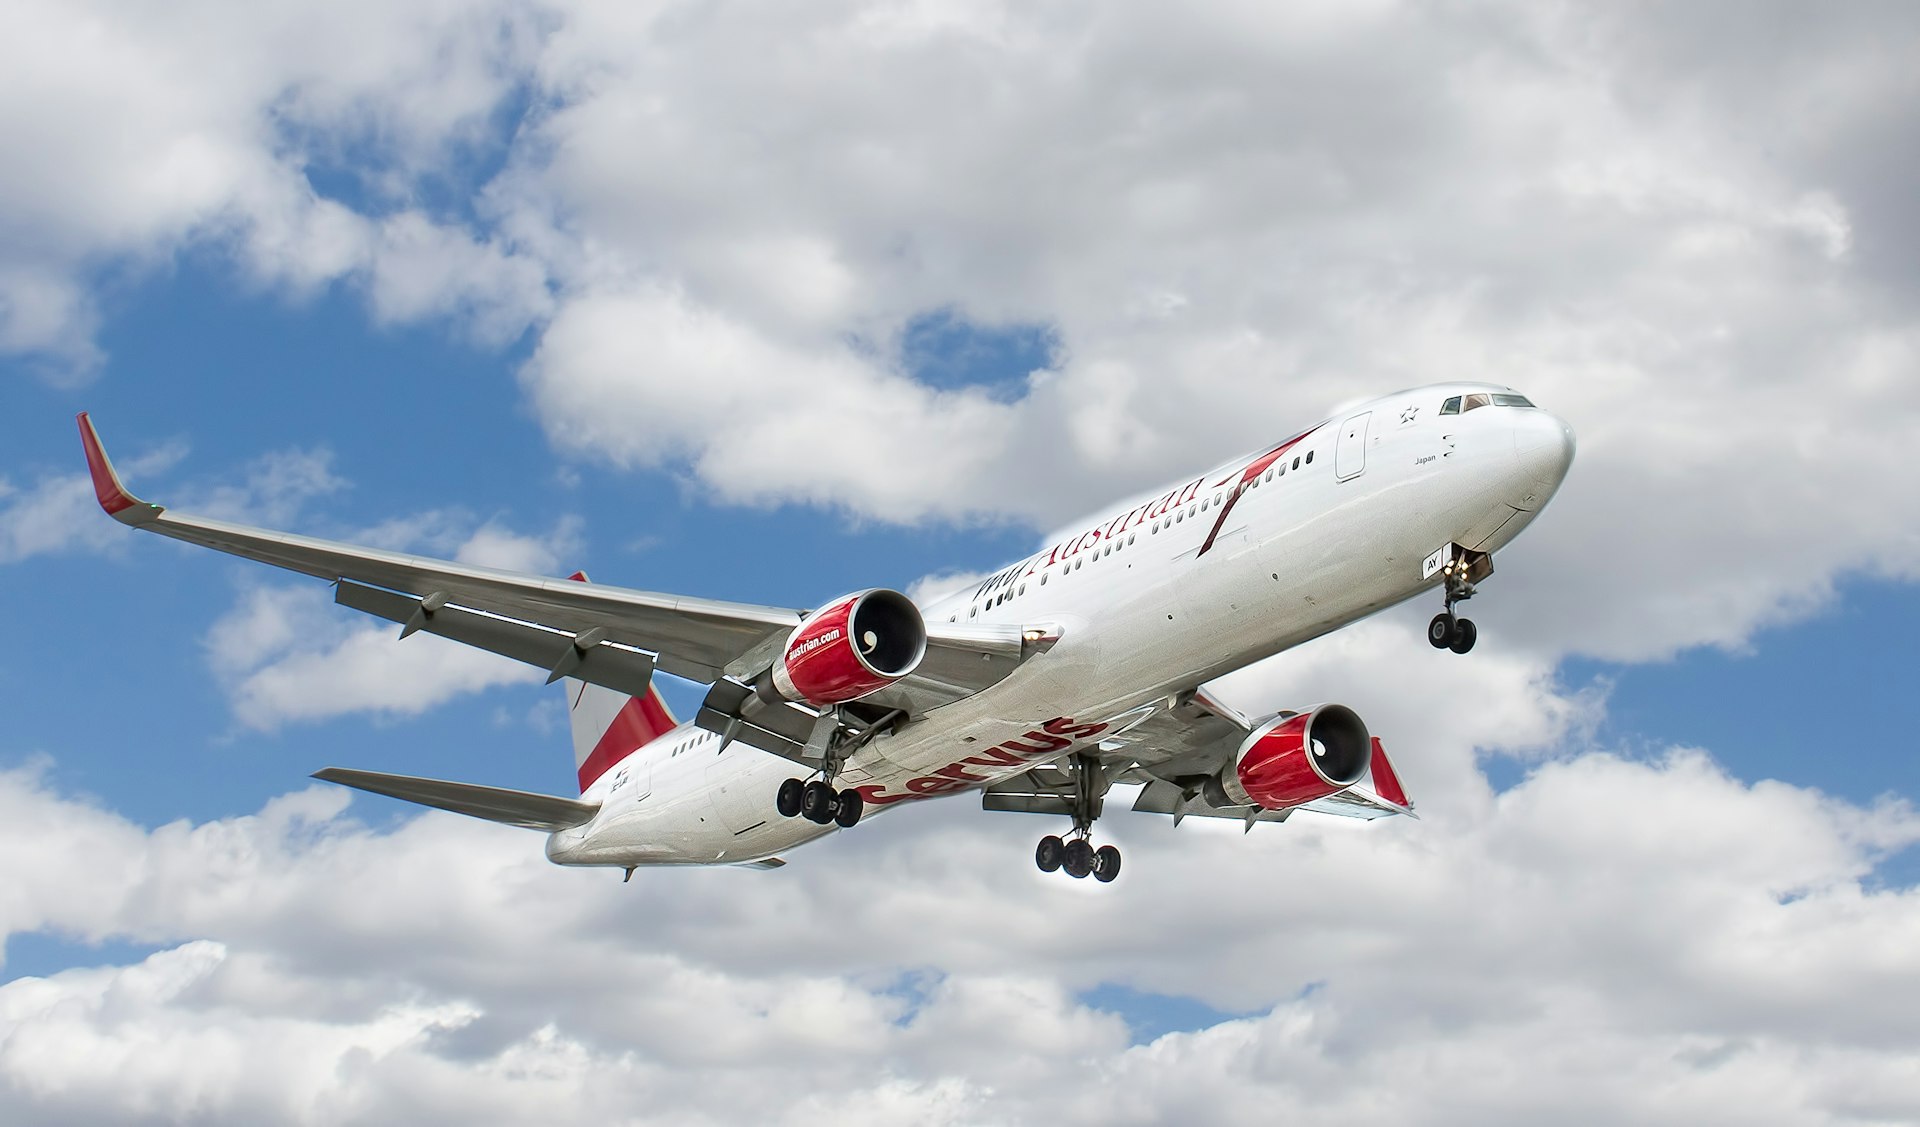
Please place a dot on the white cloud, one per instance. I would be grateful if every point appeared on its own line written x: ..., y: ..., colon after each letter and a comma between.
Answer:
x: 128, y: 145
x: 1232, y: 221
x: 1609, y: 941
x: 59, y: 513
x: 1694, y: 245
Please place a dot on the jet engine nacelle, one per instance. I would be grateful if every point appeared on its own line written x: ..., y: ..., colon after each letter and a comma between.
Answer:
x: 1295, y: 759
x: 852, y: 646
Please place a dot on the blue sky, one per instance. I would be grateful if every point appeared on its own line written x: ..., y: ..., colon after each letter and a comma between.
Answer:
x: 703, y: 304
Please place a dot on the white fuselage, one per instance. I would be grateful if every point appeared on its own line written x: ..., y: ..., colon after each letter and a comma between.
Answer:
x: 1334, y: 530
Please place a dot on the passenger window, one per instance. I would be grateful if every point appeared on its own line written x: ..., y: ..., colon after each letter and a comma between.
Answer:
x: 1309, y: 457
x: 1296, y: 461
x: 1451, y: 406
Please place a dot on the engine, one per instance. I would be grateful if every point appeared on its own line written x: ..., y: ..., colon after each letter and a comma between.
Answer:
x: 1294, y: 759
x: 852, y: 646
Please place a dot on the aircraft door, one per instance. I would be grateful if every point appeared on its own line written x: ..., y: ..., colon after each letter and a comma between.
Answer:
x: 1350, y: 455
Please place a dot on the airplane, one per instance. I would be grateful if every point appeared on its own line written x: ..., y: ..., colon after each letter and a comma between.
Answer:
x: 1079, y: 667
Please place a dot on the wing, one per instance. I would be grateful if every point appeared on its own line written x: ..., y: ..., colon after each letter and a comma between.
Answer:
x: 512, y: 807
x: 591, y: 631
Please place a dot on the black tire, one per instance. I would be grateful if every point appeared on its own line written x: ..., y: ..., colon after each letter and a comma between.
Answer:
x: 1106, y: 864
x: 1440, y: 631
x: 1077, y: 858
x: 848, y: 808
x: 1465, y: 634
x: 1047, y: 854
x: 787, y: 799
x: 816, y: 802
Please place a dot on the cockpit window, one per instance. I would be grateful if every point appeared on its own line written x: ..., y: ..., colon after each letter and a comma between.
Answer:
x: 1461, y: 404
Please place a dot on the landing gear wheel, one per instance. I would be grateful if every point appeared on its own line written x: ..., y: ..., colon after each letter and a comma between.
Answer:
x: 1077, y: 858
x: 1048, y: 853
x: 848, y: 808
x: 1464, y: 635
x: 1106, y: 864
x: 1440, y: 631
x: 816, y: 802
x: 787, y: 799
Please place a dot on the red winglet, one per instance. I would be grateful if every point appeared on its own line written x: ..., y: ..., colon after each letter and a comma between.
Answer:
x: 112, y: 495
x: 1386, y: 784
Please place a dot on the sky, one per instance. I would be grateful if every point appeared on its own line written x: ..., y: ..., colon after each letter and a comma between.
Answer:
x: 773, y: 302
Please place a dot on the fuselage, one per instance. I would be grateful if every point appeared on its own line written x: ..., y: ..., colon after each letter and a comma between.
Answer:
x: 1149, y: 599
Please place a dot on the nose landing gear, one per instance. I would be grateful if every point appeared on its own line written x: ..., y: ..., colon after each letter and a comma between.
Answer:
x: 1075, y: 855
x: 1459, y: 573
x: 1447, y: 632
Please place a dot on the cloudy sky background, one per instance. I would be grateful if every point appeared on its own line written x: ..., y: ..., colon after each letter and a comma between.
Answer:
x: 770, y: 302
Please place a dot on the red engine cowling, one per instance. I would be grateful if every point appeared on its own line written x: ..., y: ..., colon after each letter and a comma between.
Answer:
x: 852, y: 646
x: 1295, y: 759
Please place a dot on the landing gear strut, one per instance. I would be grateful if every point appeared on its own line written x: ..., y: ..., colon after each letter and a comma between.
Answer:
x: 1076, y: 855
x: 1448, y: 631
x: 816, y: 800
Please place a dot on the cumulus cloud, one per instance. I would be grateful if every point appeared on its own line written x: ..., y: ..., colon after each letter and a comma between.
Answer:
x: 1727, y: 945
x: 1231, y: 221
x: 1685, y: 242
x: 128, y: 146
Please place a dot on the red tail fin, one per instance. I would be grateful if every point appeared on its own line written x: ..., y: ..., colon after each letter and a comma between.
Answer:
x: 608, y: 725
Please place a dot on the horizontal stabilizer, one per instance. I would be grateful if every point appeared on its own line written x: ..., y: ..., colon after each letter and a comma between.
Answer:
x: 512, y: 807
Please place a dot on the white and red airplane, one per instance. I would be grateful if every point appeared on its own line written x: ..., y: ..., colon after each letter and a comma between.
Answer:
x: 1078, y: 667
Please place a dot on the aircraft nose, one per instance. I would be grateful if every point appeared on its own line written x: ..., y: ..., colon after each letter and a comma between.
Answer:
x: 1543, y: 447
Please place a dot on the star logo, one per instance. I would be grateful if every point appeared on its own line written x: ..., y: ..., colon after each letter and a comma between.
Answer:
x: 1408, y: 415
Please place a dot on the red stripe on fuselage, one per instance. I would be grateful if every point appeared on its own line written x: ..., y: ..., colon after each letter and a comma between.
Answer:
x: 1254, y: 469
x: 639, y: 722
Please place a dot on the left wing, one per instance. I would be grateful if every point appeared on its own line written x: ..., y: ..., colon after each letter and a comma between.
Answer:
x: 571, y: 628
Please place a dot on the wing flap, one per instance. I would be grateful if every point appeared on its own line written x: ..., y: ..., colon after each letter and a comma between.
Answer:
x: 510, y: 807
x: 580, y: 656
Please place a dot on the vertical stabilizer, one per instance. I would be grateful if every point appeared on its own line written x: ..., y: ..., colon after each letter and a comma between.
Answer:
x: 608, y: 725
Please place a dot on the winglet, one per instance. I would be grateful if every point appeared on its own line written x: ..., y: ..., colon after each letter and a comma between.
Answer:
x: 113, y: 496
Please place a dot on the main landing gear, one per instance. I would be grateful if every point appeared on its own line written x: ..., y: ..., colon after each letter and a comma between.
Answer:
x: 1076, y: 855
x: 841, y: 734
x: 1448, y: 631
x: 818, y: 802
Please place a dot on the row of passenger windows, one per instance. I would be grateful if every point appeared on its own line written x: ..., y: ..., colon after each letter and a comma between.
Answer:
x: 1279, y: 469
x: 1461, y: 404
x: 689, y: 745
